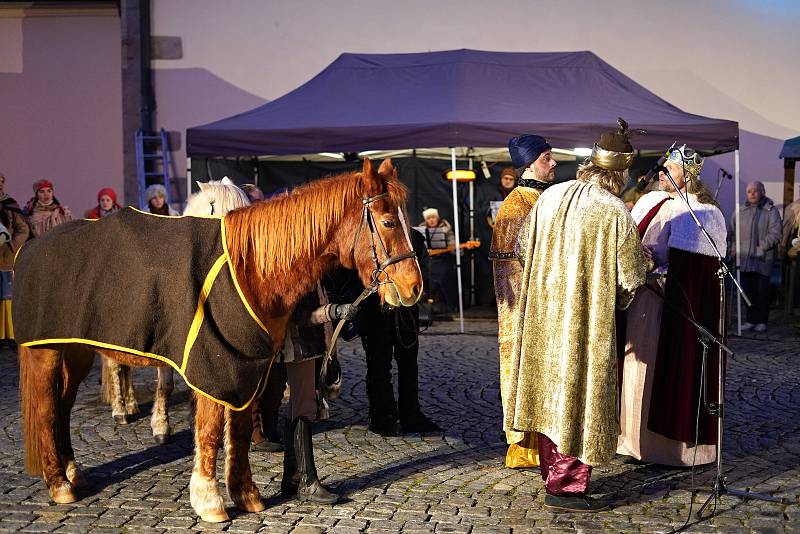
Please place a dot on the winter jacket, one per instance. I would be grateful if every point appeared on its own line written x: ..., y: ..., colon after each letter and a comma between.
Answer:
x: 759, y: 236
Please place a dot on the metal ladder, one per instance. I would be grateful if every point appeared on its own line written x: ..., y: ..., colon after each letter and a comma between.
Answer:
x: 153, y: 163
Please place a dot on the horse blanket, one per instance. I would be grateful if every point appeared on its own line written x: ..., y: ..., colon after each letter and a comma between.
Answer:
x: 150, y: 285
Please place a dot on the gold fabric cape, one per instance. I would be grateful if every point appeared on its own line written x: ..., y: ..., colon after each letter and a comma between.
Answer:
x: 508, y: 279
x: 582, y: 259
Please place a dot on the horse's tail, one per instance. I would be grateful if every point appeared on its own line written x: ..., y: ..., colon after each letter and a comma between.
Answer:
x: 31, y: 430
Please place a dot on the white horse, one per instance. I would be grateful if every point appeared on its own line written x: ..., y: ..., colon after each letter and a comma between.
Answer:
x: 214, y: 198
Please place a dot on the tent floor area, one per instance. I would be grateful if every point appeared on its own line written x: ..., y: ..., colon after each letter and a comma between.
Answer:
x: 453, y: 481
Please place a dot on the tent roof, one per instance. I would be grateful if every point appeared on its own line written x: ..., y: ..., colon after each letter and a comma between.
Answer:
x: 791, y: 148
x: 457, y: 98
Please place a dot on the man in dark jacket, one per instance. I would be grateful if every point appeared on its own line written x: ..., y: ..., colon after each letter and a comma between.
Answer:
x: 386, y: 334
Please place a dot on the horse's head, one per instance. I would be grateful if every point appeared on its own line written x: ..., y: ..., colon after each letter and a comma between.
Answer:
x: 382, y: 248
x: 216, y: 197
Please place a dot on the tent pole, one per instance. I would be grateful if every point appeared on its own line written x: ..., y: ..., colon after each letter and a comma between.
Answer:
x: 458, y: 240
x: 471, y: 237
x: 738, y: 242
x: 188, y: 177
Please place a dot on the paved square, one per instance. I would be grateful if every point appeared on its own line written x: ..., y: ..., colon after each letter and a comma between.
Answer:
x: 448, y: 482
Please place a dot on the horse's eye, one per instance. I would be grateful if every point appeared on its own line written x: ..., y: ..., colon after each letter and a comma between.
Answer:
x: 388, y: 224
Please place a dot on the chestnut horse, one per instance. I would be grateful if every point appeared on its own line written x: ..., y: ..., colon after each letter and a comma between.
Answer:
x: 278, y: 250
x: 214, y: 198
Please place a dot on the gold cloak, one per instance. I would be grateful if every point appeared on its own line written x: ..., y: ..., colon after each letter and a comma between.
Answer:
x: 508, y: 279
x: 582, y: 259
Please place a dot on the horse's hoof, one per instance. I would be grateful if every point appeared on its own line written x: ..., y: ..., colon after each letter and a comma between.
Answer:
x: 162, y: 438
x: 63, y: 494
x: 132, y: 409
x: 215, y: 516
x: 121, y: 419
x: 252, y: 506
x: 75, y: 476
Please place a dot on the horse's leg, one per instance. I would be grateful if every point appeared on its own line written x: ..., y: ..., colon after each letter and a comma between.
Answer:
x: 159, y: 421
x: 128, y: 394
x: 203, y: 491
x: 78, y: 362
x: 238, y: 477
x: 40, y: 395
x: 113, y: 388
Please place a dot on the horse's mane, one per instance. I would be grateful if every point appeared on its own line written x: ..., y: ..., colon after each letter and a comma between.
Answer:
x: 224, y: 193
x: 284, y: 229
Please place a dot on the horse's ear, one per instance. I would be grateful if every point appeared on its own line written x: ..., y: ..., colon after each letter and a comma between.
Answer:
x: 201, y: 185
x: 386, y: 169
x: 371, y: 182
x: 226, y: 181
x: 367, y: 170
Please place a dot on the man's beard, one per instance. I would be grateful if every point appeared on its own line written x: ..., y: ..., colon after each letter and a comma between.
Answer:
x: 546, y: 176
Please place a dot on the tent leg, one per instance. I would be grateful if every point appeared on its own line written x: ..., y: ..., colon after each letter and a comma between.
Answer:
x: 188, y: 178
x: 738, y: 242
x: 472, y: 291
x: 458, y: 240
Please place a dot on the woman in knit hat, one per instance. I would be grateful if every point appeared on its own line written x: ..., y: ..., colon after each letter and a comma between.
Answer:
x: 106, y: 204
x: 157, y: 201
x: 44, y: 211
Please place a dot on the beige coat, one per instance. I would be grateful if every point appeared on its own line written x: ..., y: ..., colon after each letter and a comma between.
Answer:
x: 20, y: 231
x: 582, y: 260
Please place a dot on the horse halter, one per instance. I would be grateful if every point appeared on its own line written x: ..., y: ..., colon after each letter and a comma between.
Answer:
x: 368, y: 220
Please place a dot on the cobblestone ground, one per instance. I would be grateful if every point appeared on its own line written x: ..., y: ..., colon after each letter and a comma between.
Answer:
x: 448, y: 482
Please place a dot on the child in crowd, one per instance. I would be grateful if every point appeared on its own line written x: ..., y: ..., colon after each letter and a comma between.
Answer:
x: 156, y: 195
x: 44, y: 211
x: 106, y: 204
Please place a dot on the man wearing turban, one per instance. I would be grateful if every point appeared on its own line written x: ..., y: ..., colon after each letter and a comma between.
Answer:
x: 534, y: 165
x: 582, y: 259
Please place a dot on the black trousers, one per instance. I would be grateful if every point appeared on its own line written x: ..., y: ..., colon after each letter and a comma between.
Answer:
x: 757, y: 288
x: 388, y: 335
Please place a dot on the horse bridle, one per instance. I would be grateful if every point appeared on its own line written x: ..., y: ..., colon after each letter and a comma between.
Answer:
x: 368, y: 221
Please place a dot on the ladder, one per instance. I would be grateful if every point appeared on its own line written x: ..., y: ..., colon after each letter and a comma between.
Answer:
x: 153, y: 163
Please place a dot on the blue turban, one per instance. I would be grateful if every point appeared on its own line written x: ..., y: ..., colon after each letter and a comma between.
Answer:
x: 525, y: 149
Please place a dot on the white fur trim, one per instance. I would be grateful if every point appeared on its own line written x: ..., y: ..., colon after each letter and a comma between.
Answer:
x: 684, y: 233
x: 646, y: 203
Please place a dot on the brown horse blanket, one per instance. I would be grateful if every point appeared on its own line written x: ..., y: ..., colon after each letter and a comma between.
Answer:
x: 149, y: 285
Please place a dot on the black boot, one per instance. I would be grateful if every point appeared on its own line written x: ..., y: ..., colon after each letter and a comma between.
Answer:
x: 309, y: 487
x: 291, y: 477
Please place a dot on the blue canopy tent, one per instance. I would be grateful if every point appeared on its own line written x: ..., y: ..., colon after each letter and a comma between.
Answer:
x: 458, y: 98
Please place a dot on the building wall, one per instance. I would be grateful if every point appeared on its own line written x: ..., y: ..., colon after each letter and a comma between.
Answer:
x: 729, y: 59
x: 60, y: 107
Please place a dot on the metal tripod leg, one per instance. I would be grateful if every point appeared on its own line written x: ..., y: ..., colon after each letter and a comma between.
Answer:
x: 720, y: 487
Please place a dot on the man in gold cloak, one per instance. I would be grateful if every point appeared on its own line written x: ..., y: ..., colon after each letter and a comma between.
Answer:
x: 534, y: 165
x: 582, y: 259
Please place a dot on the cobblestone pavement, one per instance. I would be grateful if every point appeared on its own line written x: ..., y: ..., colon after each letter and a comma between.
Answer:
x: 448, y: 482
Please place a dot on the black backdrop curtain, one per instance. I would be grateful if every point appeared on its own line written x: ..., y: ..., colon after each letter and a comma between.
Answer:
x: 427, y: 189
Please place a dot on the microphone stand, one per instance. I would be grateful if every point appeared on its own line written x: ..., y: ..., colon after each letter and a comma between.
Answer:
x: 716, y: 409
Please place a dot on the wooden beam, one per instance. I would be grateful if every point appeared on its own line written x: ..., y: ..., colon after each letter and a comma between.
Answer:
x: 788, y: 180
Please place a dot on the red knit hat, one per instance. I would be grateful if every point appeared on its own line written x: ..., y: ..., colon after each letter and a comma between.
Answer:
x: 41, y: 184
x: 107, y: 191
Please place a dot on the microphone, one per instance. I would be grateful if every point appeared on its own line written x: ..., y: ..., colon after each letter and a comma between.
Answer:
x: 725, y: 174
x: 654, y: 170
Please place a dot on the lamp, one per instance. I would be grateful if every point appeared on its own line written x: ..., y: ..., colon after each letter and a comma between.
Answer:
x: 582, y: 152
x: 459, y: 175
